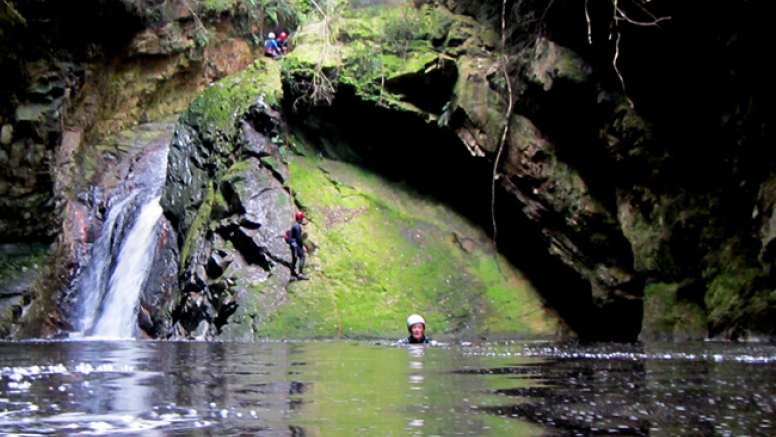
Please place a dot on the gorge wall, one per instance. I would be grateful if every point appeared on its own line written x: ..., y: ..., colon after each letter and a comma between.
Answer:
x: 651, y: 179
x: 74, y: 75
x: 637, y: 199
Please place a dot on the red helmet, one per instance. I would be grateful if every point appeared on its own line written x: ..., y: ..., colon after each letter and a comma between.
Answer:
x: 300, y: 215
x: 283, y: 36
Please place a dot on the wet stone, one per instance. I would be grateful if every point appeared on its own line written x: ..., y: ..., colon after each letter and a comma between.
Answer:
x: 218, y: 262
x: 32, y: 112
x: 6, y: 134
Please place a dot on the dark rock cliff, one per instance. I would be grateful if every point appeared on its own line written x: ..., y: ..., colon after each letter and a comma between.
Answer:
x: 639, y: 143
x: 74, y: 74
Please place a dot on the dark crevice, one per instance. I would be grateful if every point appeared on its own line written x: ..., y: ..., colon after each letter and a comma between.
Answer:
x: 428, y: 91
x: 243, y: 242
x: 402, y: 147
x: 566, y: 114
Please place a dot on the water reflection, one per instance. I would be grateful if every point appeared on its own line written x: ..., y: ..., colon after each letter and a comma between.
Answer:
x: 357, y: 389
x: 145, y: 388
x: 701, y: 390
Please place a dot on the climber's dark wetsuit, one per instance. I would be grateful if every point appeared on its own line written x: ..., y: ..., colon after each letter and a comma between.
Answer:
x: 296, y: 243
x: 411, y: 340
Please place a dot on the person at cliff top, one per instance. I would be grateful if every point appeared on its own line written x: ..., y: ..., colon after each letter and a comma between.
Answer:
x: 298, y: 248
x: 271, y: 48
x: 416, y: 325
x: 283, y: 42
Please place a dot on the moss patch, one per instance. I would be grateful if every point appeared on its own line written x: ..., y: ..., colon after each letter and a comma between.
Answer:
x: 667, y: 316
x: 379, y: 252
x: 215, y: 109
x: 20, y: 265
x: 552, y: 61
x: 197, y: 228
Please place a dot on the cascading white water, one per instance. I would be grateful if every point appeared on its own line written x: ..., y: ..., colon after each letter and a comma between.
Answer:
x: 102, y: 261
x: 119, y: 310
x: 121, y: 258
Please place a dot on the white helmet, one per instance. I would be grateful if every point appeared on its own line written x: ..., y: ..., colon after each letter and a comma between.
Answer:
x: 271, y: 35
x: 413, y: 319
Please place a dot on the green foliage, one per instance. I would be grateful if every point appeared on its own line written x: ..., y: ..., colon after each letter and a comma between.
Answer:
x: 394, y: 29
x: 278, y: 10
x: 216, y: 7
x: 369, y: 47
x: 668, y: 315
x: 402, y: 27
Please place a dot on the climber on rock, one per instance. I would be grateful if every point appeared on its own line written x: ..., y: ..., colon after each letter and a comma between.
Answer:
x: 271, y: 48
x: 283, y: 42
x: 296, y: 243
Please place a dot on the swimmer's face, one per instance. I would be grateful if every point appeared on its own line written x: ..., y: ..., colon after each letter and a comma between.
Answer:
x: 418, y: 331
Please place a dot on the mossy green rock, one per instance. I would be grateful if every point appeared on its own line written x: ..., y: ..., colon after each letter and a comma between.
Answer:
x: 20, y: 266
x: 379, y: 252
x: 216, y: 109
x: 479, y: 101
x: 666, y: 316
x: 551, y: 62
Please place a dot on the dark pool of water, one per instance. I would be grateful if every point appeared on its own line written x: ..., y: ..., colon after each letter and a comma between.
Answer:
x: 362, y: 389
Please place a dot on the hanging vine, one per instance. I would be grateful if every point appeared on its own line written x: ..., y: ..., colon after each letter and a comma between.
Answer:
x: 618, y: 15
x: 505, y: 132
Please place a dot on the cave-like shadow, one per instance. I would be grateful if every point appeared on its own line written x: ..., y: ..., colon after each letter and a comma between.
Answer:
x: 405, y: 148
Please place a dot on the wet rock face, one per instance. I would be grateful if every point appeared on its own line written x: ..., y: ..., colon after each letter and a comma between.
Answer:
x: 27, y: 146
x: 235, y: 260
x: 137, y: 61
x: 19, y: 264
x: 74, y: 74
x: 642, y: 181
x: 160, y: 292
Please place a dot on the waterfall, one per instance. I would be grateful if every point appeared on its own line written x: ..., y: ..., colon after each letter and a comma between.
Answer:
x: 118, y: 317
x: 107, y: 243
x: 111, y: 286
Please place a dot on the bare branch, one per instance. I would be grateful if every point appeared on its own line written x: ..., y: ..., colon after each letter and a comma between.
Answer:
x: 194, y: 14
x: 589, y: 26
x: 624, y: 17
x: 546, y: 10
x: 646, y: 11
x: 14, y: 11
x: 317, y: 6
x: 617, y: 70
x: 322, y: 89
x: 506, y: 123
x: 613, y: 23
